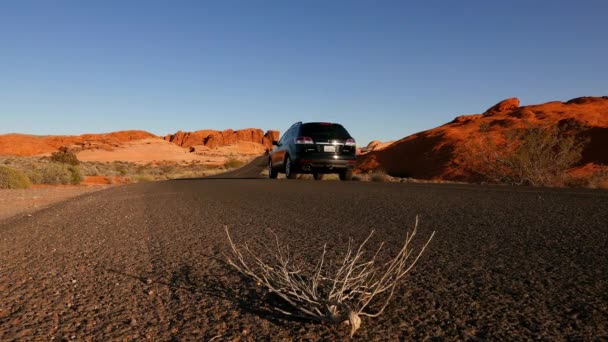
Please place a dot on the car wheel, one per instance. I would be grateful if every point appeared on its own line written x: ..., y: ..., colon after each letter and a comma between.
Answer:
x: 272, y: 173
x: 346, y: 175
x: 317, y: 176
x: 289, y: 169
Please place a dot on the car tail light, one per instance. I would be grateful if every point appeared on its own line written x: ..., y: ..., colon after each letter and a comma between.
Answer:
x: 350, y: 142
x: 304, y: 140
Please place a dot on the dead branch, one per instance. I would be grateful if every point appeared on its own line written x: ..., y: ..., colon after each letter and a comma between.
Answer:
x: 344, y: 295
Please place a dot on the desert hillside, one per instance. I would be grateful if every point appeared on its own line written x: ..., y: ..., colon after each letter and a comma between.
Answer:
x: 432, y: 154
x: 206, y: 146
x: 30, y: 145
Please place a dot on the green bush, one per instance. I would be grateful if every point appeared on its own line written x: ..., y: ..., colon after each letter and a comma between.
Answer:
x: 57, y: 173
x: 65, y: 157
x: 13, y: 179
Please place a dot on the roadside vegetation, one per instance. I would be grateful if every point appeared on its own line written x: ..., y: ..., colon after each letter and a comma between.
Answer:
x: 13, y: 179
x: 359, y: 283
x: 372, y: 176
x: 65, y: 168
x: 233, y: 163
x: 535, y: 156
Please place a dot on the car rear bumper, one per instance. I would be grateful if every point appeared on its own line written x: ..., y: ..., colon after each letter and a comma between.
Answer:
x: 321, y: 164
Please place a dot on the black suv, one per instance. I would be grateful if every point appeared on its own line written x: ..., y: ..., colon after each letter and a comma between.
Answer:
x: 313, y: 147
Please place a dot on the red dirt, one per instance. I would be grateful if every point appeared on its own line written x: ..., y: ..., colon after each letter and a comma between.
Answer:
x: 430, y: 154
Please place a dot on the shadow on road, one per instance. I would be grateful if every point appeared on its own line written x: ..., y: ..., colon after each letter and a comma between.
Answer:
x: 230, y: 286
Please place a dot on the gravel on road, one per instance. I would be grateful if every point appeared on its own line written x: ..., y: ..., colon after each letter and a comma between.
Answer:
x: 145, y: 261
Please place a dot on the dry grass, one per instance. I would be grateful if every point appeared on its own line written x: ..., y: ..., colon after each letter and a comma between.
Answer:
x: 357, y: 286
x: 233, y: 163
x: 43, y: 170
x: 380, y: 176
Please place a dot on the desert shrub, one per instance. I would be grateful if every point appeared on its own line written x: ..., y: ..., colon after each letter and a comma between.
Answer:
x: 140, y: 169
x: 34, y: 175
x: 233, y: 163
x: 91, y: 168
x: 536, y: 156
x: 76, y: 176
x: 358, y: 285
x: 142, y: 178
x: 65, y: 157
x: 121, y: 169
x: 57, y: 173
x: 358, y: 178
x: 379, y: 176
x: 166, y: 169
x: 13, y: 179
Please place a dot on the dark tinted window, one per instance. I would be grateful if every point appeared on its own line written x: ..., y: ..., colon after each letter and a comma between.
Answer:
x: 323, y: 130
x: 287, y: 136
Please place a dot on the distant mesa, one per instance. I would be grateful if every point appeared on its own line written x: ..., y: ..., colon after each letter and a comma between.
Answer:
x: 214, y: 138
x: 430, y: 154
x: 207, y: 146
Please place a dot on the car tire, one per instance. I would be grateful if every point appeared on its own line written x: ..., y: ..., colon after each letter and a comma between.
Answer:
x: 317, y: 176
x: 289, y: 174
x: 346, y: 175
x: 272, y: 173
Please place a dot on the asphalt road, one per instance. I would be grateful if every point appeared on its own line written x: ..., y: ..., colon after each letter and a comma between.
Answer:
x: 145, y: 261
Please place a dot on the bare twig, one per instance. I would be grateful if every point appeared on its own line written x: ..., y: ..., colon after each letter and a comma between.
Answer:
x: 344, y: 295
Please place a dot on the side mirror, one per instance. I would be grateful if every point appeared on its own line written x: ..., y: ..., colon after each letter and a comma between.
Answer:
x: 275, y: 143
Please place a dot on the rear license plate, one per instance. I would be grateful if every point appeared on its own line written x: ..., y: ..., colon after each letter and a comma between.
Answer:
x: 329, y: 148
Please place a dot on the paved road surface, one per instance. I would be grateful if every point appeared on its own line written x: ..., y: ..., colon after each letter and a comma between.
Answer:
x: 144, y: 261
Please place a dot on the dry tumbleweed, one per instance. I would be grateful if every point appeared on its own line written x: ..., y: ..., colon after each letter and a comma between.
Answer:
x: 340, y: 294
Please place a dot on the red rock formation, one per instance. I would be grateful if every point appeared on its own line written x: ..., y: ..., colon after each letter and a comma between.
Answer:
x: 26, y: 145
x: 503, y: 106
x: 213, y: 139
x: 430, y: 154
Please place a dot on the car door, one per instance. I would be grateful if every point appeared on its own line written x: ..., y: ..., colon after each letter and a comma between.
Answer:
x: 278, y: 155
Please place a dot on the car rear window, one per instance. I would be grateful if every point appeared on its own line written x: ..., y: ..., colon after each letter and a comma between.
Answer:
x: 321, y: 130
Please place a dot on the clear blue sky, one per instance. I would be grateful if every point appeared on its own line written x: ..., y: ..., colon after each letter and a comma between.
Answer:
x: 385, y: 69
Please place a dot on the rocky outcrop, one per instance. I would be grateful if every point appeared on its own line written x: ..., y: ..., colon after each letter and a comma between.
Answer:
x: 27, y: 145
x: 503, y: 106
x: 214, y: 139
x: 431, y: 154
